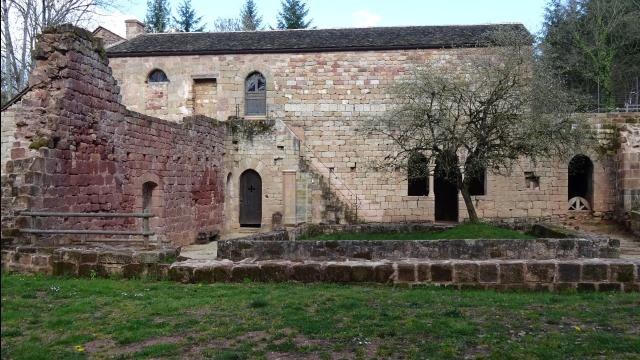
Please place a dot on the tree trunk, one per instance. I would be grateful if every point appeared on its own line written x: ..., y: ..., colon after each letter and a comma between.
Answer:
x: 468, y: 202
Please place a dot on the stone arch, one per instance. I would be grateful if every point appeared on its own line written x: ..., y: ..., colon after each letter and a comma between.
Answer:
x: 580, y: 182
x: 157, y: 75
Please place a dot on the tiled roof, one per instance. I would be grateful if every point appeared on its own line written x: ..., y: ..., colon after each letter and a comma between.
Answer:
x: 287, y: 41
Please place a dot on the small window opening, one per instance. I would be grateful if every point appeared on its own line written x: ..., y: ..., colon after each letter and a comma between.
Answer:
x: 531, y: 181
x: 157, y: 76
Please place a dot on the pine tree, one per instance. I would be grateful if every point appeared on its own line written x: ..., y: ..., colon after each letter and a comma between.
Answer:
x: 293, y: 15
x: 251, y: 21
x: 187, y: 20
x: 158, y: 16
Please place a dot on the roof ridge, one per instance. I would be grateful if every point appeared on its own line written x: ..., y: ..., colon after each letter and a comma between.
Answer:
x: 333, y: 28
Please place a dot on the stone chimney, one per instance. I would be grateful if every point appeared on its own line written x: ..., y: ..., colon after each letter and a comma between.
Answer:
x: 134, y: 28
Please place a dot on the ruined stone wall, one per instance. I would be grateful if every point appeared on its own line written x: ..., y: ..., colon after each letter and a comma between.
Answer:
x: 76, y: 148
x: 328, y: 95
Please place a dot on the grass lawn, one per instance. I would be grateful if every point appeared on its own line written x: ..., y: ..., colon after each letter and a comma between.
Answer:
x: 55, y: 318
x: 462, y: 231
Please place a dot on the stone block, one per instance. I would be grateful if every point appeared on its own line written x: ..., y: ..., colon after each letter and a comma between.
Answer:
x: 363, y: 273
x: 87, y: 270
x: 306, y: 272
x: 512, y: 273
x: 621, y: 273
x: 114, y: 258
x: 406, y: 272
x: 488, y: 273
x: 586, y: 287
x: 465, y: 273
x: 133, y: 271
x: 65, y: 268
x: 565, y: 286
x: 338, y: 272
x: 384, y: 273
x: 275, y: 272
x: 594, y: 272
x: 441, y: 273
x: 609, y: 287
x: 244, y: 272
x: 222, y: 273
x: 88, y: 257
x: 568, y: 272
x: 542, y: 273
x: 204, y: 274
x: 424, y: 273
x: 181, y: 273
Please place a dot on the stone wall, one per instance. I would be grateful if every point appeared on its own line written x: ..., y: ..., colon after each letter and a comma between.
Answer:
x: 538, y: 275
x: 328, y: 95
x: 334, y: 250
x: 74, y: 147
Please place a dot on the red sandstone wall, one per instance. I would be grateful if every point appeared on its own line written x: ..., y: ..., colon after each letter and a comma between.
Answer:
x: 76, y: 148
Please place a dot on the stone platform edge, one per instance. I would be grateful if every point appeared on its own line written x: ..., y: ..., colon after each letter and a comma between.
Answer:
x: 539, y: 275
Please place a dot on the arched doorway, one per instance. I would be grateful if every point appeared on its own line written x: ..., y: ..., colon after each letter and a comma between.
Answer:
x: 580, y: 184
x: 250, y: 199
x: 446, y: 193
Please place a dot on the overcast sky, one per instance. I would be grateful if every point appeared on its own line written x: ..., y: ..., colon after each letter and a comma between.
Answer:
x: 358, y: 13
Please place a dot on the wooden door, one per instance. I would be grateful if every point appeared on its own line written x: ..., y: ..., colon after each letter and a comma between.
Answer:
x: 250, y: 199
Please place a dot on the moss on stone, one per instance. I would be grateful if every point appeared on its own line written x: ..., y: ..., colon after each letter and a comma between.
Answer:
x: 248, y: 129
x: 38, y: 143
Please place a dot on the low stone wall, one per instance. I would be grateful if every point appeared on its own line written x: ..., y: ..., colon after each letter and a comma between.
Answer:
x: 317, y: 229
x: 89, y: 262
x: 543, y: 275
x: 419, y: 249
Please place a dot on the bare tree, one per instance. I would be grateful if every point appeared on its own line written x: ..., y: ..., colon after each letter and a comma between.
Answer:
x: 22, y: 20
x: 495, y: 110
x: 227, y: 24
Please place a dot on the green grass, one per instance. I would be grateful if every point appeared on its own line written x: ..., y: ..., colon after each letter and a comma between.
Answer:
x: 56, y: 318
x: 463, y: 231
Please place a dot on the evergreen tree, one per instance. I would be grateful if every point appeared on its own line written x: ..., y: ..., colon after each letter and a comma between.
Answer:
x: 251, y: 21
x: 594, y: 45
x: 187, y: 20
x: 158, y: 18
x: 292, y: 15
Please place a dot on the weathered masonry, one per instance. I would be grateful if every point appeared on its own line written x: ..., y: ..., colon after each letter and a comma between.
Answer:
x: 132, y: 128
x: 318, y: 86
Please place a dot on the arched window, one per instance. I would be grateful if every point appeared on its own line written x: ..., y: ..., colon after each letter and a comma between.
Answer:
x: 157, y: 75
x: 147, y: 196
x: 580, y: 184
x: 255, y: 95
x: 418, y: 175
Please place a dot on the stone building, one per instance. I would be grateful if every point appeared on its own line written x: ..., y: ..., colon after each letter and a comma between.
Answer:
x: 285, y: 147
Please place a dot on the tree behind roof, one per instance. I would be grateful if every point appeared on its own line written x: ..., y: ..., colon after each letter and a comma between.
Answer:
x: 188, y: 20
x: 158, y: 18
x: 251, y: 21
x: 292, y: 15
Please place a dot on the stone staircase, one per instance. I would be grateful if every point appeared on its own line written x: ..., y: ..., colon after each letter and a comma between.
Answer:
x: 341, y: 202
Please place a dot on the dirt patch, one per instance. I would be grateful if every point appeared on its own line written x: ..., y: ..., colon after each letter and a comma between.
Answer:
x: 135, y: 347
x: 98, y: 346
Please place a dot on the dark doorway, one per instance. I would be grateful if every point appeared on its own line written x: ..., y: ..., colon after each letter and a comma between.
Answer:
x: 446, y: 192
x: 250, y: 199
x: 581, y: 178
